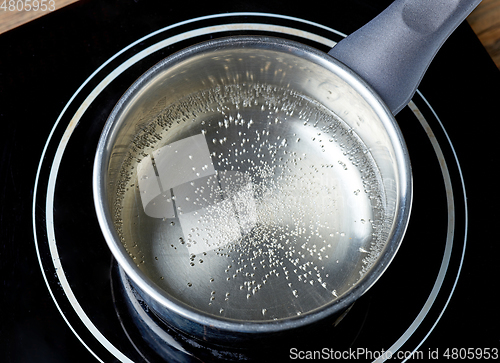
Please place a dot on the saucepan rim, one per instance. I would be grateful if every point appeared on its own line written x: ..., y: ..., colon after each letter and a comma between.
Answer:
x: 174, y: 306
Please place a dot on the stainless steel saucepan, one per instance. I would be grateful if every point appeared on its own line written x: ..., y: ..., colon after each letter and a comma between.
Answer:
x: 254, y: 185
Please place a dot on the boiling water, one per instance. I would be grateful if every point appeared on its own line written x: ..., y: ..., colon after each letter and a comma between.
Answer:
x: 250, y: 202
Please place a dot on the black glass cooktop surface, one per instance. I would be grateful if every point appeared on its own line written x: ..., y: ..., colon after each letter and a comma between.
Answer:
x: 63, y: 296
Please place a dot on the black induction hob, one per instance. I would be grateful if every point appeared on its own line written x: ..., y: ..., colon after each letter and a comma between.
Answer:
x: 62, y: 296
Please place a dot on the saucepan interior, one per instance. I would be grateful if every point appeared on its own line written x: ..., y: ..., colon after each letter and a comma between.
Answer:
x: 251, y: 184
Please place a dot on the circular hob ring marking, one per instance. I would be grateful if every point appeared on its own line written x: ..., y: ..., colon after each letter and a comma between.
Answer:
x: 160, y: 45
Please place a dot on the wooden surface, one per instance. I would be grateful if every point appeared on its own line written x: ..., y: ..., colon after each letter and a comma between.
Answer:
x: 18, y: 12
x: 484, y: 20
